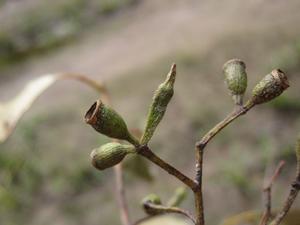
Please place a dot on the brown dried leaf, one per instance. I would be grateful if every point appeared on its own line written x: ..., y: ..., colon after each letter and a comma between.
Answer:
x: 13, y: 110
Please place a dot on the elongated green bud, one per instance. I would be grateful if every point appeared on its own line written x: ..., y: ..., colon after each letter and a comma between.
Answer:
x: 110, y: 154
x: 108, y: 122
x: 271, y: 86
x: 159, y: 104
x: 235, y: 74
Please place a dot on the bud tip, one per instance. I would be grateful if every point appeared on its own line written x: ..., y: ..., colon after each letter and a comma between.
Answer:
x: 234, y: 61
x: 172, y: 74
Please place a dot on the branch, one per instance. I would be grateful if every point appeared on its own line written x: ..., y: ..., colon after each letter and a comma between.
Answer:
x: 267, y: 190
x: 146, y: 152
x: 295, y: 187
x: 220, y: 126
x: 160, y: 209
x: 199, y: 156
x: 198, y: 193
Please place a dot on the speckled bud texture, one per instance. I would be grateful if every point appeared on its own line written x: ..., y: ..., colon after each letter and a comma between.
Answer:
x: 271, y: 86
x: 159, y: 104
x: 236, y: 79
x: 110, y: 154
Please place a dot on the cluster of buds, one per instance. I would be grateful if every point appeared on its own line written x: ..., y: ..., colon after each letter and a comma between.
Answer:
x: 270, y: 87
x: 108, y: 122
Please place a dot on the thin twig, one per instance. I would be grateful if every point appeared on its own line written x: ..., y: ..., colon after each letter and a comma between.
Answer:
x: 220, y: 126
x: 118, y: 169
x: 121, y: 195
x: 160, y: 209
x: 267, y: 190
x: 295, y: 188
x: 146, y: 152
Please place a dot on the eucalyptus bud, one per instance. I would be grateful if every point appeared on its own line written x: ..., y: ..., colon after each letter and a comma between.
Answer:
x: 161, y: 99
x: 271, y: 86
x: 152, y: 198
x: 110, y: 154
x: 149, y: 203
x: 235, y: 74
x: 108, y: 122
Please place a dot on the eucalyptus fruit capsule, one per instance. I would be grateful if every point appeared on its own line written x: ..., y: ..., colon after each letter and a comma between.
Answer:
x: 108, y: 122
x: 235, y: 74
x: 110, y: 154
x: 271, y: 86
x: 161, y: 99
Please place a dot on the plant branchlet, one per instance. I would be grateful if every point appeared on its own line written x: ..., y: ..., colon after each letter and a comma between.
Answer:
x: 106, y: 121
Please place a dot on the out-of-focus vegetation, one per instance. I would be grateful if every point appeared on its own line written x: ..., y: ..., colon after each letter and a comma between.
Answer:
x: 44, y: 25
x: 45, y: 175
x: 26, y: 172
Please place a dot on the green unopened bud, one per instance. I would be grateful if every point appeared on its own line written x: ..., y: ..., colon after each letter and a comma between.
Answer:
x: 152, y: 198
x: 110, y: 154
x: 149, y: 201
x: 235, y: 74
x: 159, y: 104
x: 108, y: 122
x: 271, y: 86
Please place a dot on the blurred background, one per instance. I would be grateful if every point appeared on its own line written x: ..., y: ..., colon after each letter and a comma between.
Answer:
x: 45, y: 172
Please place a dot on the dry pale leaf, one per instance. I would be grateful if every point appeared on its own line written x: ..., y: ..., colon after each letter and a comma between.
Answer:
x: 13, y: 110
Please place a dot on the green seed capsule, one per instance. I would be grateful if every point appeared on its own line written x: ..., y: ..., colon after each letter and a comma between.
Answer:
x: 110, y: 154
x: 159, y: 104
x: 108, y: 122
x: 236, y: 79
x: 271, y: 86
